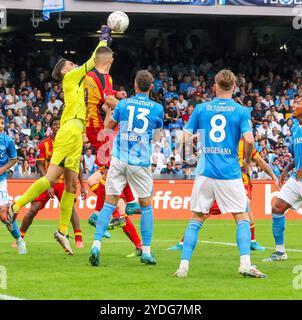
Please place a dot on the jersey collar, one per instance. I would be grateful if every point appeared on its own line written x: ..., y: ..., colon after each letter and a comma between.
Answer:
x: 141, y: 96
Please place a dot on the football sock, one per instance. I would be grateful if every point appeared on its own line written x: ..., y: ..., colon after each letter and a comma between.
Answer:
x: 66, y: 205
x: 116, y: 214
x: 15, y: 232
x: 146, y: 224
x: 94, y: 188
x: 100, y: 200
x: 103, y: 221
x: 278, y: 227
x: 252, y: 231
x: 22, y: 234
x: 78, y: 235
x: 146, y: 249
x: 243, y: 238
x: 32, y: 193
x: 130, y: 230
x: 190, y: 239
x: 128, y: 194
x: 182, y: 239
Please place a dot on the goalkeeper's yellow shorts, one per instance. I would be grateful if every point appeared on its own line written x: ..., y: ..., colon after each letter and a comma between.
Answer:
x: 68, y: 145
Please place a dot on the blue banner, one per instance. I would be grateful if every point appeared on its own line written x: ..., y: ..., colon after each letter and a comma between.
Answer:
x: 267, y: 3
x: 52, y: 6
x: 187, y: 2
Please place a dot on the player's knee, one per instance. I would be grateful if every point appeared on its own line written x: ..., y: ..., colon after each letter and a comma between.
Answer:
x: 279, y: 207
x: 71, y: 187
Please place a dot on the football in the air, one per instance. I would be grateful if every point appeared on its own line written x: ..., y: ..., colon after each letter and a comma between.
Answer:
x: 118, y: 21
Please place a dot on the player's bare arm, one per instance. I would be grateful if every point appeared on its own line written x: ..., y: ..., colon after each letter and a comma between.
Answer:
x: 268, y: 170
x: 8, y: 165
x: 109, y: 123
x: 285, y: 172
x: 249, y: 144
x: 111, y: 102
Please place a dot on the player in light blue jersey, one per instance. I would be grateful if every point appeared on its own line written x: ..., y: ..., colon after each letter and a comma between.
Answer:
x: 8, y: 157
x: 220, y: 123
x: 290, y: 195
x: 140, y: 120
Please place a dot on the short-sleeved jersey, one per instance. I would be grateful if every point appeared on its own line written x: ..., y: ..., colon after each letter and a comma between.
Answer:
x: 297, y: 146
x: 73, y: 88
x: 241, y: 158
x: 7, y: 152
x: 220, y: 123
x: 138, y: 117
x: 45, y: 151
x: 97, y: 87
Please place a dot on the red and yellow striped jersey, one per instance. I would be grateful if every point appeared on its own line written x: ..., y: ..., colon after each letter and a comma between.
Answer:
x: 45, y: 151
x: 97, y: 87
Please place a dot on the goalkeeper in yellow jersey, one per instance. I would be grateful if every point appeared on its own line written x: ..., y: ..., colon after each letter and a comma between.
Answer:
x: 67, y: 145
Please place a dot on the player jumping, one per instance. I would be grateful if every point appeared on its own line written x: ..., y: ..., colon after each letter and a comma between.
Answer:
x: 68, y: 144
x: 45, y: 150
x: 98, y: 86
x: 248, y: 188
x: 220, y: 123
x: 290, y: 195
x: 138, y: 118
x: 8, y: 157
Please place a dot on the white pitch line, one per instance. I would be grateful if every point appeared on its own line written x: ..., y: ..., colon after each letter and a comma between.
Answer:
x: 230, y: 244
x: 5, y: 297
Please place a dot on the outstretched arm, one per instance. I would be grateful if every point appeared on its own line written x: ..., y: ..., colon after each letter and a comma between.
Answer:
x: 79, y: 72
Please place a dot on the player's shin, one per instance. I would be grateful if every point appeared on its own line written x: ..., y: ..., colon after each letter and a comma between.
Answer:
x: 103, y: 223
x: 243, y: 238
x: 278, y: 226
x: 131, y: 233
x: 146, y: 225
x: 66, y: 205
x: 190, y: 241
x: 33, y: 192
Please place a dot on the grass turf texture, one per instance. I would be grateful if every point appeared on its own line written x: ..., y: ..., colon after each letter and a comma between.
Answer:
x: 46, y: 272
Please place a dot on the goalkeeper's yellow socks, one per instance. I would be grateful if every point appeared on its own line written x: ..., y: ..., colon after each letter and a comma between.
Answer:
x: 32, y: 193
x: 66, y: 205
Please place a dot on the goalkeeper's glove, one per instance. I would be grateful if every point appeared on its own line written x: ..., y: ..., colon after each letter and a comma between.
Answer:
x: 105, y: 34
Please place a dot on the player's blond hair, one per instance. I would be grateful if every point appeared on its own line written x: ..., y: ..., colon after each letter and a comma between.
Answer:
x: 225, y: 79
x: 103, y: 54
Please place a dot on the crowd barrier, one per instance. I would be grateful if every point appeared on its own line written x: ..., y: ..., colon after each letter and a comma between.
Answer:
x: 171, y: 200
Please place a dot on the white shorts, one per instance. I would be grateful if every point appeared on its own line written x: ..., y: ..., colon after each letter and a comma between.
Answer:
x: 3, y: 194
x: 291, y: 193
x: 229, y: 194
x: 139, y: 178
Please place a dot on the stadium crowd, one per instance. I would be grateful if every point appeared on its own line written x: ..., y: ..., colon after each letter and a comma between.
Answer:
x: 29, y: 103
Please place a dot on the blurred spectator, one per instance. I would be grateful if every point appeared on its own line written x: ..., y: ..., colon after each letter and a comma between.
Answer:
x: 89, y: 159
x: 37, y: 130
x: 168, y: 169
x: 24, y: 169
x: 54, y: 102
x: 11, y: 99
x: 20, y: 120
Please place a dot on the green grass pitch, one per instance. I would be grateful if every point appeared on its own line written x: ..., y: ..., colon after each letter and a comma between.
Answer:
x: 47, y: 273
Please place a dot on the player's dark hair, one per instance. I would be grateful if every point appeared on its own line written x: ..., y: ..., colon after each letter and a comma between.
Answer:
x: 53, y: 120
x: 144, y: 80
x: 57, y: 70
